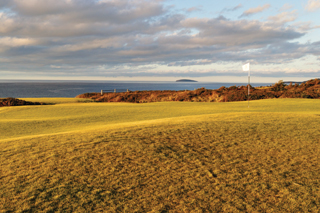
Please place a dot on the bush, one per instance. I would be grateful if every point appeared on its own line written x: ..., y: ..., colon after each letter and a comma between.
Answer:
x: 16, y: 102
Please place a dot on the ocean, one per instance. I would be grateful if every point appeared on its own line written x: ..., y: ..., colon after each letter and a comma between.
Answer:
x: 35, y: 89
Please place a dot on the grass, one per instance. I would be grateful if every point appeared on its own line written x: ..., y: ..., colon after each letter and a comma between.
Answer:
x: 161, y: 157
x: 34, y: 120
x: 59, y: 100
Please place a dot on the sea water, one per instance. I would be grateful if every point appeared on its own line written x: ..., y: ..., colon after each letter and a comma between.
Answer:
x: 34, y: 89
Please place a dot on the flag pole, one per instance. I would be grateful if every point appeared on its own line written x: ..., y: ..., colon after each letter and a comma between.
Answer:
x: 248, y: 87
x: 246, y: 68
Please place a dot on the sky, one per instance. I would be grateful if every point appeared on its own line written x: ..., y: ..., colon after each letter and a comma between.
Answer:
x: 160, y: 40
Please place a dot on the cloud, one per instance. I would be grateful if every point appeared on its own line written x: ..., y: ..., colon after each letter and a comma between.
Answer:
x: 284, y: 17
x: 235, y: 34
x: 305, y: 26
x: 313, y: 5
x: 83, y: 36
x: 191, y: 62
x: 255, y: 10
x: 286, y: 7
x: 209, y: 72
x: 237, y: 7
x: 192, y: 9
x: 67, y: 18
x: 4, y: 3
x: 16, y: 42
x: 232, y: 8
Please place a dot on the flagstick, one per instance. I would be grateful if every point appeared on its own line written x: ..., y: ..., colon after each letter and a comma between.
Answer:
x: 248, y: 87
x: 246, y: 67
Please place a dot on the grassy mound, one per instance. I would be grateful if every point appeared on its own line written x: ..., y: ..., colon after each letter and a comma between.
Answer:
x: 201, y: 157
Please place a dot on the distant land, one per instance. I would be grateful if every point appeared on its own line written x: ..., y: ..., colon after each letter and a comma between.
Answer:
x: 298, y: 82
x: 186, y: 80
x: 294, y: 82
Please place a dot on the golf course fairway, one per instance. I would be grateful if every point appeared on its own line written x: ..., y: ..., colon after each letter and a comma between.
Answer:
x: 82, y: 156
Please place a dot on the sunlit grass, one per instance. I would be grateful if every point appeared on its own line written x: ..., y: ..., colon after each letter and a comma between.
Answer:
x: 33, y: 120
x: 58, y: 100
x: 162, y: 157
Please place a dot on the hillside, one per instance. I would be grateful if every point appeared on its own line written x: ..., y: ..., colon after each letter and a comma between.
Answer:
x: 309, y: 89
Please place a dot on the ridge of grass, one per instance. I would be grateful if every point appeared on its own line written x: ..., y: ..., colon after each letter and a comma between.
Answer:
x: 33, y: 120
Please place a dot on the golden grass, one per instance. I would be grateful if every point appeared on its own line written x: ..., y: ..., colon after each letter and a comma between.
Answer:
x: 170, y: 157
x: 58, y: 100
x: 34, y: 120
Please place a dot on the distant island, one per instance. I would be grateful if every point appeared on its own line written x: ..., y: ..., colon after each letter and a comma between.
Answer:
x: 186, y: 80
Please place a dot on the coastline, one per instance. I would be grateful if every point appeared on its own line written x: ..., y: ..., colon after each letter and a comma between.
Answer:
x: 69, y: 89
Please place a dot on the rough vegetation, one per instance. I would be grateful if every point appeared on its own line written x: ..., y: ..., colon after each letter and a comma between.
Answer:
x: 309, y: 89
x: 16, y: 102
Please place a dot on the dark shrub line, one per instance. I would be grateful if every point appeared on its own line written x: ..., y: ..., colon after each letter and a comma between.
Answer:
x: 16, y: 102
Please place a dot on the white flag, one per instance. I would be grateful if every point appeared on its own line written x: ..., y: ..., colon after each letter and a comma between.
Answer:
x: 246, y: 67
